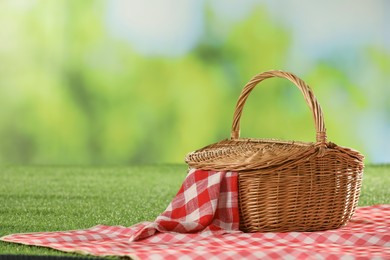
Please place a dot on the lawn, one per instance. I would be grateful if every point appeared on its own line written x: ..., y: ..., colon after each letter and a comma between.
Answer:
x: 49, y: 198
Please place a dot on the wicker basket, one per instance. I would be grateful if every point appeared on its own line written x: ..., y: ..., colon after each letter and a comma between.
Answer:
x: 287, y: 185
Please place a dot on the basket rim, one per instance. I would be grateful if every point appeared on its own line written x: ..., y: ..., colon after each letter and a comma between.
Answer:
x: 251, y: 153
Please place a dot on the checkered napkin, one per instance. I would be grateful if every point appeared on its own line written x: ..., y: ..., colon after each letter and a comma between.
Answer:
x: 206, y: 203
x: 215, y: 236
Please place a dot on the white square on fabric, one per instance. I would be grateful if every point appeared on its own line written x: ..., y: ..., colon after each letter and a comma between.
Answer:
x: 70, y: 239
x: 190, y: 193
x: 189, y: 225
x: 193, y: 216
x: 214, y: 204
x: 52, y: 240
x: 214, y: 179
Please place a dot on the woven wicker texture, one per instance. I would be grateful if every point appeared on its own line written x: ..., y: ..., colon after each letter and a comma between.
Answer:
x: 286, y: 185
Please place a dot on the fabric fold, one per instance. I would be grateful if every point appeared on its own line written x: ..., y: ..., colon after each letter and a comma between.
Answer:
x: 207, y: 202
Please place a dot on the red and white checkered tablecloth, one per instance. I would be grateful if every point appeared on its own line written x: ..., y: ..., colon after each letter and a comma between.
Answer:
x: 202, y: 223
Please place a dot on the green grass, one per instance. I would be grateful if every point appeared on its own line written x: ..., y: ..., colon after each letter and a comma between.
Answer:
x: 48, y: 198
x: 65, y: 198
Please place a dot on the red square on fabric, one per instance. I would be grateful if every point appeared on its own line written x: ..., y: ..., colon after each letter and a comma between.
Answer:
x: 178, y: 212
x: 203, y: 198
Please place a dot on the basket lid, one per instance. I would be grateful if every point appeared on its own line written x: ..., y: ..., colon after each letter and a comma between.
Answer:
x: 246, y: 154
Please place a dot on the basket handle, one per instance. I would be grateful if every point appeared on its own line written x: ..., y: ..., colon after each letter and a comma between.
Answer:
x: 303, y: 87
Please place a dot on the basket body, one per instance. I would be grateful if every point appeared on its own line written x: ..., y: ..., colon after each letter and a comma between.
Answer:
x: 301, y: 197
x: 287, y: 185
x: 290, y: 186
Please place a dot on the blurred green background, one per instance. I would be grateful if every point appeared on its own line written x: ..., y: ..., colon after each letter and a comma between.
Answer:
x: 120, y: 82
